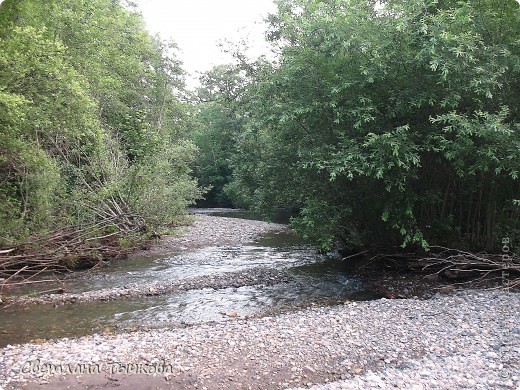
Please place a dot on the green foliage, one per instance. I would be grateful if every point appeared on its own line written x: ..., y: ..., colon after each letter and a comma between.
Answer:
x: 387, y: 125
x: 161, y: 188
x: 219, y: 122
x: 90, y: 121
x: 46, y: 115
x: 318, y: 222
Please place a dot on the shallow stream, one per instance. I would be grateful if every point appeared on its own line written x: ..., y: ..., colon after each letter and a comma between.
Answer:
x: 317, y: 279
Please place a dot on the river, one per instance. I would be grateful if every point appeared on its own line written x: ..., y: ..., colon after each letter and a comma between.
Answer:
x: 316, y: 279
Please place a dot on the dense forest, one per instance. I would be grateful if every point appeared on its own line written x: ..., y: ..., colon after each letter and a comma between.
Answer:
x: 94, y: 127
x: 382, y: 124
x: 379, y: 123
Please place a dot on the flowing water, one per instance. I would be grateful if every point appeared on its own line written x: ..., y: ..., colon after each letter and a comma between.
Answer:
x: 317, y: 279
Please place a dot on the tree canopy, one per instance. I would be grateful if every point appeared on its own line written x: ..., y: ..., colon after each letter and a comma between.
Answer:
x: 382, y: 122
x: 386, y: 123
x: 92, y: 121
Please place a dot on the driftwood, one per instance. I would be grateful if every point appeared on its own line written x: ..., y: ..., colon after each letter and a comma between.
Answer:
x: 36, y: 260
x: 458, y: 265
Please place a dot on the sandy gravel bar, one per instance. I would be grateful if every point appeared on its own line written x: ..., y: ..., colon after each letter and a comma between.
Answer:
x: 207, y: 230
x: 464, y: 340
x: 250, y: 277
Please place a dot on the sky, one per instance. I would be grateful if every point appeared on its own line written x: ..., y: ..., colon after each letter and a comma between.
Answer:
x: 197, y: 26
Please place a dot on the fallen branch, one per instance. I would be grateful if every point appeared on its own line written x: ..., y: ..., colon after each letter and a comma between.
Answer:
x: 456, y: 265
x: 63, y: 250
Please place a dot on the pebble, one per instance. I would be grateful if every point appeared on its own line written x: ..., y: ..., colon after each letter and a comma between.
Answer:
x: 208, y: 230
x: 379, y: 347
x: 466, y: 339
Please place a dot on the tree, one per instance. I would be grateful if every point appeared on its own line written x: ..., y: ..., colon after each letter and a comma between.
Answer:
x: 219, y: 122
x: 93, y: 126
x: 47, y: 116
x: 388, y: 124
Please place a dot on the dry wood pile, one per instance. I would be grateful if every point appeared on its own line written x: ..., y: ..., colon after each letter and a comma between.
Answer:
x: 68, y: 248
x: 458, y: 265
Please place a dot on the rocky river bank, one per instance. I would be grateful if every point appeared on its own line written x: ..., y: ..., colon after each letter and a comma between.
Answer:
x: 467, y: 340
x: 462, y: 339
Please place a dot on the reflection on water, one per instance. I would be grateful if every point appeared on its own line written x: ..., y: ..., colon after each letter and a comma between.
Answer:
x: 316, y: 279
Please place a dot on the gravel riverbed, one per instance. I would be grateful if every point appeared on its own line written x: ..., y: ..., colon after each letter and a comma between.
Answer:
x: 208, y: 230
x: 250, y: 277
x: 462, y: 339
x: 205, y: 231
